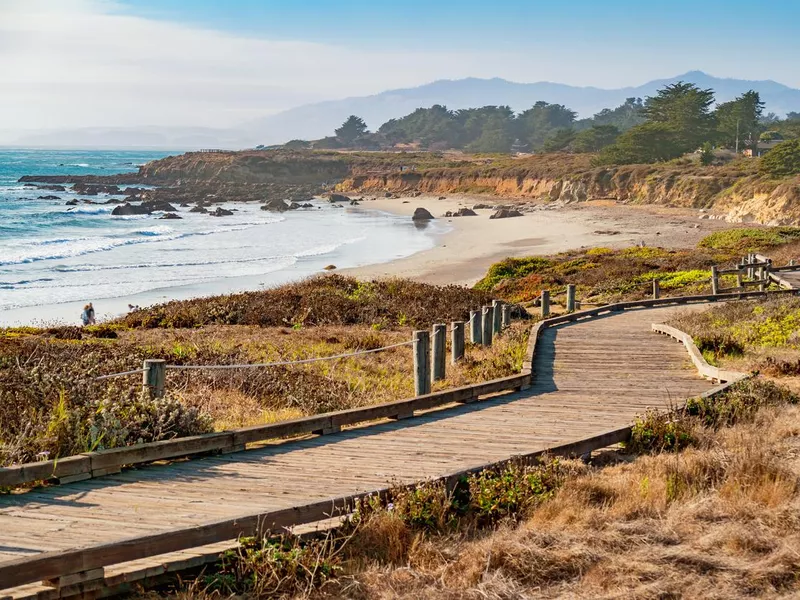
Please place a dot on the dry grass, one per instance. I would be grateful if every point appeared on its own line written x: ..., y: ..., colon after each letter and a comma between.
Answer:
x: 749, y: 336
x: 50, y: 402
x: 721, y: 520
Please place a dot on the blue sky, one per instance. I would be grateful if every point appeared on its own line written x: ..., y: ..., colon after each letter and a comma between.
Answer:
x: 219, y: 63
x: 708, y: 26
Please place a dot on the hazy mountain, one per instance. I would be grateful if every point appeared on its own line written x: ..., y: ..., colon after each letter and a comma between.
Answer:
x: 314, y: 121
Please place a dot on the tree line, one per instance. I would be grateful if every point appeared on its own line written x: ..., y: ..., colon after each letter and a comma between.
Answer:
x: 679, y: 118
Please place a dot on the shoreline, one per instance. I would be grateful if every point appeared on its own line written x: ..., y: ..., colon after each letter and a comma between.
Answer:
x: 473, y: 244
x: 461, y: 252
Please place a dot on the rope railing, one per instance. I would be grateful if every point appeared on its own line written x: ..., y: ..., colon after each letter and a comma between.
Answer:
x: 123, y: 374
x: 287, y: 363
x: 429, y: 347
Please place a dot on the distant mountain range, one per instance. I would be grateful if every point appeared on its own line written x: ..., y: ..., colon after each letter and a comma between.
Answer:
x: 314, y: 121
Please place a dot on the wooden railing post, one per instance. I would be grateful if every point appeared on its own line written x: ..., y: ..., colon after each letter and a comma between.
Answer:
x: 438, y: 347
x: 475, y: 327
x: 545, y: 303
x: 422, y: 363
x: 456, y: 341
x: 656, y: 289
x: 751, y: 271
x: 739, y: 281
x: 714, y: 281
x: 154, y: 376
x: 506, y: 315
x: 570, y: 297
x: 487, y: 317
x: 497, y: 317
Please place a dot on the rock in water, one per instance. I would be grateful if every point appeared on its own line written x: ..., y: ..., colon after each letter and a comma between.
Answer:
x: 330, y: 267
x: 129, y: 209
x: 221, y: 212
x: 162, y: 205
x: 338, y: 198
x: 170, y: 216
x: 505, y: 213
x: 422, y: 214
x: 198, y: 209
x: 72, y: 202
x: 275, y: 205
x: 48, y: 198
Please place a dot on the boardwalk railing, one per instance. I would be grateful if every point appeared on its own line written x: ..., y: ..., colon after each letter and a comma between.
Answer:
x: 754, y: 270
x: 706, y: 370
x: 91, y: 560
x: 107, y: 462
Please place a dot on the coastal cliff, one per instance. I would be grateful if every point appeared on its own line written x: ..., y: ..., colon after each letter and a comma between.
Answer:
x: 736, y: 194
x: 735, y: 191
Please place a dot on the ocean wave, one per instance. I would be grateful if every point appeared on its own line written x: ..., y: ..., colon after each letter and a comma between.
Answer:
x: 151, y: 265
x: 97, y: 210
x: 152, y: 231
x: 86, y: 245
x: 327, y: 248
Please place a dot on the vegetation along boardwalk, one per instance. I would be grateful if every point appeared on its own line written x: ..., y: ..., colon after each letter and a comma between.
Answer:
x: 591, y: 377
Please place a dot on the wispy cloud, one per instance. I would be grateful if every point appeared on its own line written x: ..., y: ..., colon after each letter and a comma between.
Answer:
x: 72, y: 63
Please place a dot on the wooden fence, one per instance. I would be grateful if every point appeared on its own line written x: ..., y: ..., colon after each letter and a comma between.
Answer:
x: 52, y: 565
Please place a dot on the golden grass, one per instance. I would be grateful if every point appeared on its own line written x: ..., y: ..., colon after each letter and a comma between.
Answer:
x: 720, y: 520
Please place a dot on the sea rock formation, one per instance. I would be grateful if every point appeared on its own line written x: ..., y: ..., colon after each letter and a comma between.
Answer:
x: 421, y: 214
x: 145, y: 208
x: 461, y: 212
x: 221, y: 212
x: 505, y: 213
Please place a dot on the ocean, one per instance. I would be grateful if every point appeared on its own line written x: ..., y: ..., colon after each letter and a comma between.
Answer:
x: 53, y: 254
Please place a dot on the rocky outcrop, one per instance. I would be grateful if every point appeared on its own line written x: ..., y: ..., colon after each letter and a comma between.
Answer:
x: 505, y: 213
x: 170, y: 216
x: 145, y: 208
x: 338, y: 198
x: 198, y: 209
x: 461, y: 212
x: 48, y: 198
x: 220, y: 212
x: 92, y: 189
x: 128, y: 209
x: 422, y: 214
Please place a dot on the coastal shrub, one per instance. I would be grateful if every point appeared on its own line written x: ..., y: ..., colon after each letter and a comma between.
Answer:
x: 672, y: 431
x: 739, y: 403
x: 746, y: 326
x: 275, y: 567
x: 512, y: 268
x: 749, y: 239
x: 657, y: 431
x: 783, y: 160
x: 323, y: 300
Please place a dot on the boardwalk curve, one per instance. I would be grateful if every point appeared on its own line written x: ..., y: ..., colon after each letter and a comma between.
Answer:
x: 592, y: 377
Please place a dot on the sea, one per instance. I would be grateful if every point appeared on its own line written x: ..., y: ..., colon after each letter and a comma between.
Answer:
x: 55, y: 257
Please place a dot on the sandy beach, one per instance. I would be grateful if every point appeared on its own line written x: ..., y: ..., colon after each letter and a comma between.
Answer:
x: 472, y: 244
x: 464, y: 247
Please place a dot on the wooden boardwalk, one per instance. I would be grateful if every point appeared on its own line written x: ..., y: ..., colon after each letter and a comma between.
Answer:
x: 590, y: 377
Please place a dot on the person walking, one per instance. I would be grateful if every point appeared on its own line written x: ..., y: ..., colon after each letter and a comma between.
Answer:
x: 87, y: 316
